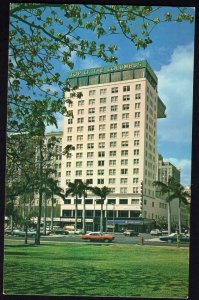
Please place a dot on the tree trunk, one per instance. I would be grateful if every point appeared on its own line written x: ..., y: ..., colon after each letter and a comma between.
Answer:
x: 179, y: 217
x: 37, y: 236
x: 26, y: 233
x: 169, y: 217
x: 76, y: 213
x: 44, y: 228
x: 83, y: 216
x: 52, y: 212
x: 101, y: 219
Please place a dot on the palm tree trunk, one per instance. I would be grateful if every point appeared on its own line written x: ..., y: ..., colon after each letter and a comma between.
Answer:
x: 52, y: 212
x: 179, y: 217
x: 83, y: 216
x: 101, y: 219
x: 76, y: 213
x: 169, y: 217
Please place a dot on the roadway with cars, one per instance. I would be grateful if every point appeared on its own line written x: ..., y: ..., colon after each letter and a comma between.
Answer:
x: 147, y: 239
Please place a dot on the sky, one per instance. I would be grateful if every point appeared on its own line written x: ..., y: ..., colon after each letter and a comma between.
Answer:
x: 171, y: 57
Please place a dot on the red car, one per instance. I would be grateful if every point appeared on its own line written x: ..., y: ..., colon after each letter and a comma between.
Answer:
x: 98, y: 237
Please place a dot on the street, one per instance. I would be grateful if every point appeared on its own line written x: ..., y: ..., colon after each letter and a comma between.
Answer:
x: 119, y: 239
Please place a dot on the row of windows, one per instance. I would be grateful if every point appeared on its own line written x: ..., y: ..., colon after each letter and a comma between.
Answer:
x: 124, y: 162
x: 126, y: 88
x: 114, y: 99
x: 97, y: 213
x: 101, y: 172
x: 111, y: 153
x: 110, y: 201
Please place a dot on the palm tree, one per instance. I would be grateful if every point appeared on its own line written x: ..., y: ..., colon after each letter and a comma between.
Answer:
x: 102, y: 193
x: 84, y: 186
x: 75, y: 190
x: 183, y: 196
x: 169, y: 189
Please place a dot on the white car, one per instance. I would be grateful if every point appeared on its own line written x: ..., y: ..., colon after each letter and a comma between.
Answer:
x: 155, y: 232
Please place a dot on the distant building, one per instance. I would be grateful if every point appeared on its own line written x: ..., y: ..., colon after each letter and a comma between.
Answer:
x: 166, y: 170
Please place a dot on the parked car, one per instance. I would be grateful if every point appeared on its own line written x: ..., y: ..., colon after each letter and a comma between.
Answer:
x: 173, y: 238
x: 130, y: 232
x: 98, y: 237
x: 59, y: 231
x: 156, y: 232
x: 8, y: 231
x: 18, y: 232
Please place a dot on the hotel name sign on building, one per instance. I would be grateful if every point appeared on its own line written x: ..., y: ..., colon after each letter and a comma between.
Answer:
x: 94, y: 71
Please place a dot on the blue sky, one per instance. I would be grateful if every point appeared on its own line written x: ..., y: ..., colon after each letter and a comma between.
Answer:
x: 171, y: 57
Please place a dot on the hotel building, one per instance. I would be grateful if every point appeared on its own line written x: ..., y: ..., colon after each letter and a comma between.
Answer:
x: 114, y: 131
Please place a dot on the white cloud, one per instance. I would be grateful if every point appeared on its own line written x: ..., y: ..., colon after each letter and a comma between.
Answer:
x: 142, y: 55
x: 175, y: 84
x: 89, y: 63
x: 185, y: 167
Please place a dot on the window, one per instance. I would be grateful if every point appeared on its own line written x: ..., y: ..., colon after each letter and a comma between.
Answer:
x: 101, y: 136
x: 123, y: 180
x: 70, y: 121
x: 91, y: 119
x: 100, y: 181
x: 69, y: 138
x: 114, y: 107
x: 137, y: 114
x: 80, y: 102
x: 102, y: 118
x: 124, y: 162
x: 101, y: 145
x: 91, y: 128
x: 125, y: 116
x: 78, y: 173
x: 136, y: 143
x: 91, y: 110
x: 125, y: 125
x: 90, y: 137
x: 89, y: 163
x: 125, y: 106
x: 124, y: 171
x: 80, y: 128
x: 68, y: 173
x: 138, y: 86
x: 79, y: 155
x: 92, y: 92
x: 123, y: 190
x: 125, y: 134
x: 69, y: 130
x: 135, y: 170
x: 113, y: 144
x: 112, y: 190
x: 89, y: 181
x: 136, y: 161
x: 138, y: 96
x: 80, y: 111
x: 80, y: 120
x: 112, y: 201
x: 135, y: 180
x: 113, y: 117
x: 102, y: 109
x: 101, y: 163
x: 114, y: 99
x: 134, y: 201
x: 137, y: 124
x: 79, y: 164
x: 102, y: 91
x: 137, y: 105
x: 114, y: 90
x: 113, y: 126
x: 111, y: 181
x: 68, y: 164
x: 102, y: 127
x: 112, y: 153
x: 91, y: 101
x: 136, y: 133
x: 90, y: 145
x: 100, y: 172
x: 123, y: 201
x: 124, y: 143
x: 89, y: 172
x: 101, y: 154
x: 113, y: 135
x: 126, y: 88
x: 112, y: 162
x: 112, y: 171
x: 126, y: 97
x: 89, y: 154
x: 102, y: 100
x: 135, y: 190
x: 124, y: 153
x: 67, y: 201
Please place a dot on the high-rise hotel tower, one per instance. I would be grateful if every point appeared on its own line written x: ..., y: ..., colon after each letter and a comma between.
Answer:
x: 114, y: 132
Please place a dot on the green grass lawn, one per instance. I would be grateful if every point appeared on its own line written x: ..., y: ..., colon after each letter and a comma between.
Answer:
x: 96, y: 270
